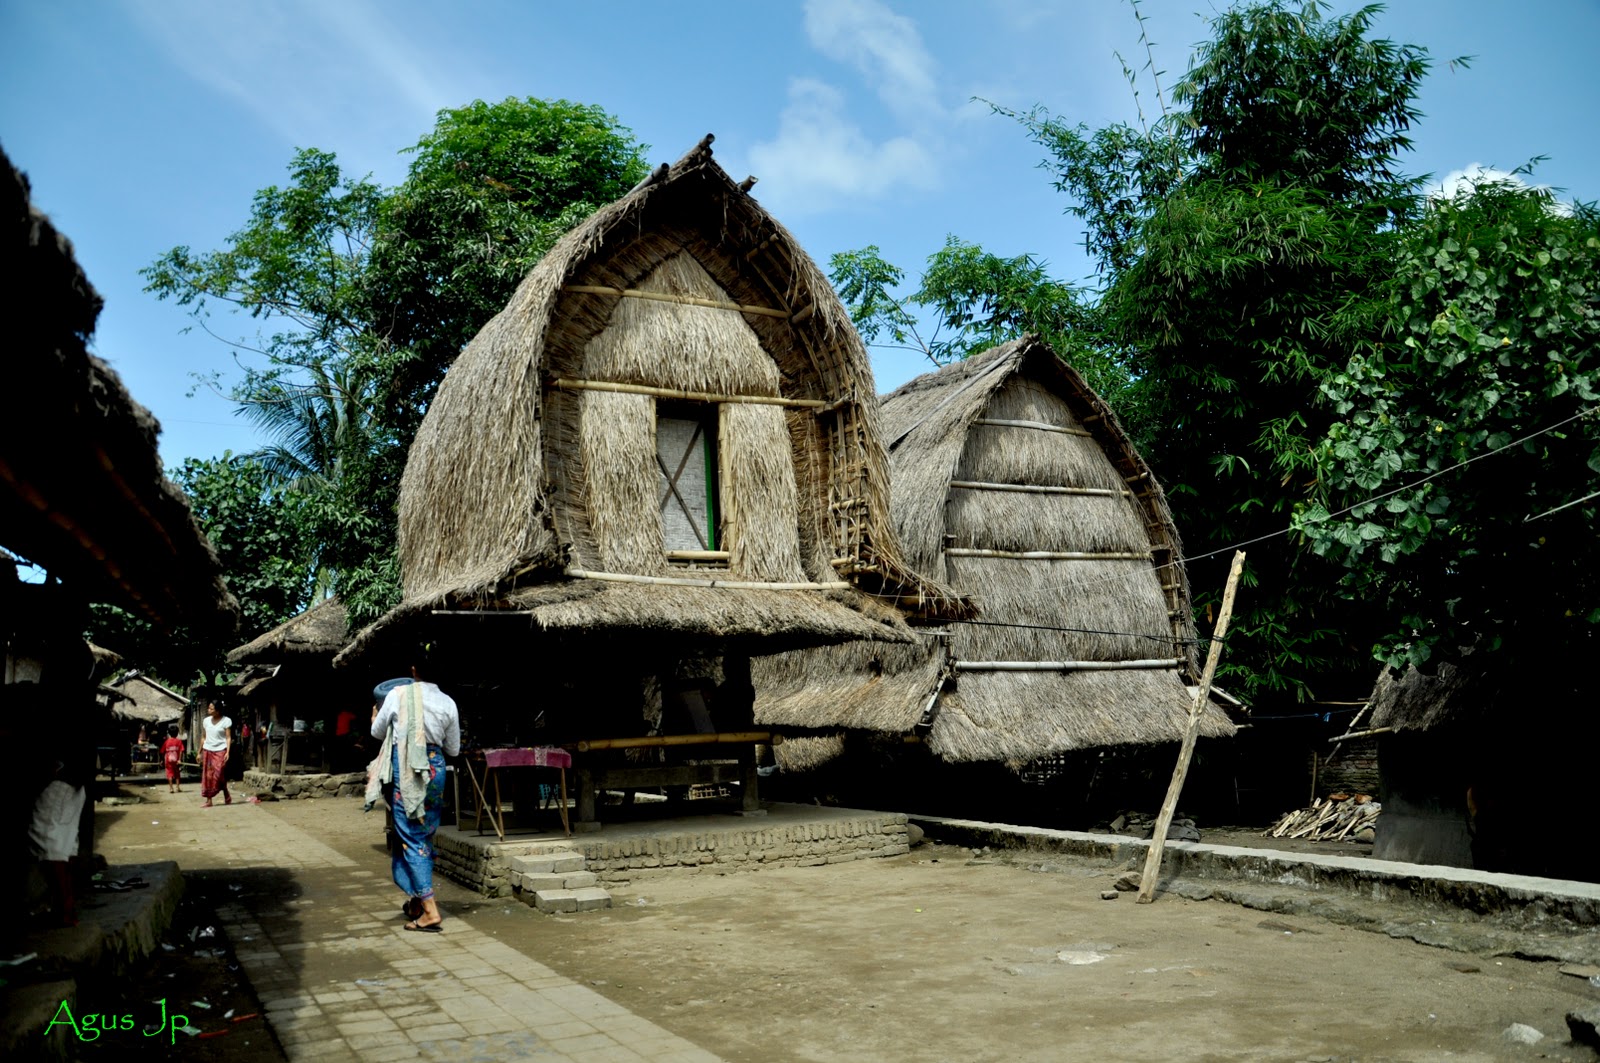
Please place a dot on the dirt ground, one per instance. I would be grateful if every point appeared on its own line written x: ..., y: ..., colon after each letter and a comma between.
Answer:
x: 941, y: 955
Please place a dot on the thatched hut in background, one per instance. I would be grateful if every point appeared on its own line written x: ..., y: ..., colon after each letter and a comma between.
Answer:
x: 664, y: 450
x: 1014, y: 483
x: 147, y: 702
x: 288, y: 677
x: 1486, y: 765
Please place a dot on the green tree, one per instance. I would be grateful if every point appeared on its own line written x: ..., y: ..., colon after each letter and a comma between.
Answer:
x: 373, y: 292
x: 976, y: 299
x: 1243, y: 239
x: 1476, y: 434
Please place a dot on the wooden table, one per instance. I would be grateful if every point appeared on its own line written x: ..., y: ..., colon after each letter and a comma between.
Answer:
x: 490, y: 761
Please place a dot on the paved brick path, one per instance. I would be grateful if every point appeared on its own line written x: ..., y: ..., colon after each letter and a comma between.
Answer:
x: 339, y: 982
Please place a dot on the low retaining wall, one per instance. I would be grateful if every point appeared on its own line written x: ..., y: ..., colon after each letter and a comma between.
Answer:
x: 1515, y: 899
x: 862, y: 836
x: 788, y: 836
x: 293, y: 786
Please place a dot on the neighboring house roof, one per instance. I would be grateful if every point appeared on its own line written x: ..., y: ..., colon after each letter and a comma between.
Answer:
x: 1014, y: 483
x: 148, y: 700
x: 319, y: 633
x: 1456, y: 691
x: 521, y: 491
x: 82, y: 492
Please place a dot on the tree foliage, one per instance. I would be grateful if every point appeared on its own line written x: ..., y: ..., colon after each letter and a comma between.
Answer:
x: 1475, y: 433
x: 370, y: 293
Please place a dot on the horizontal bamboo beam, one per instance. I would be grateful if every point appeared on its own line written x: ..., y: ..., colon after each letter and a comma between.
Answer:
x: 726, y: 738
x: 1036, y: 425
x: 1044, y: 555
x: 698, y: 555
x: 667, y: 297
x: 1363, y: 734
x: 571, y: 384
x: 684, y: 581
x: 1067, y: 666
x: 1041, y: 489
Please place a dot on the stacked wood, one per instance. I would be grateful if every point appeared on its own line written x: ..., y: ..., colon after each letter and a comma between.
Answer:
x: 1331, y: 818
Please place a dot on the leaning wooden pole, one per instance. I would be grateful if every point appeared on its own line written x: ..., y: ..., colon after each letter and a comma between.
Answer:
x: 1158, y: 841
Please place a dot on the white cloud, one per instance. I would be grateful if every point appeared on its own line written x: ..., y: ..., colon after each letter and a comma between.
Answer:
x: 303, y: 68
x: 1468, y: 178
x: 821, y: 158
x: 885, y: 48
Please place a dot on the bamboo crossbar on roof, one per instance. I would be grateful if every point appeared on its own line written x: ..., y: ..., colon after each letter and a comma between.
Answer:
x: 1037, y: 425
x: 571, y: 384
x: 721, y: 584
x: 686, y: 300
x: 1046, y: 555
x: 1067, y: 666
x: 1041, y: 489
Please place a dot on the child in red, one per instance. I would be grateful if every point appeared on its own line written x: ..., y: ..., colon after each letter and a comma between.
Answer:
x: 172, y: 751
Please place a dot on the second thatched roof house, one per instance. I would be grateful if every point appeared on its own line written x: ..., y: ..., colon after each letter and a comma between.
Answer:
x: 1015, y: 484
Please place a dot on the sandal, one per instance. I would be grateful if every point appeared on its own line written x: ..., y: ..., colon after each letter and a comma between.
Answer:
x: 412, y: 909
x: 433, y: 928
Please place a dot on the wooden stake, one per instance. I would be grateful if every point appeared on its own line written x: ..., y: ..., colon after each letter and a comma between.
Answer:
x: 1152, y: 863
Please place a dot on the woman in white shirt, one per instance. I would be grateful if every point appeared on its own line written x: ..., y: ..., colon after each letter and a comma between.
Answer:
x: 419, y: 726
x: 214, y: 755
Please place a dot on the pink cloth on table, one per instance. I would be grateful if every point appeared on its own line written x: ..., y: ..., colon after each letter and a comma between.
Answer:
x: 534, y: 757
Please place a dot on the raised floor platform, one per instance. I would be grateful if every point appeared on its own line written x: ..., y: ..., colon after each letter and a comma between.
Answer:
x: 782, y: 835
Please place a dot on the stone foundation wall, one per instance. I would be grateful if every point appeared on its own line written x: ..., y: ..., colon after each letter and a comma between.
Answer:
x: 620, y: 855
x: 630, y: 859
x: 292, y: 786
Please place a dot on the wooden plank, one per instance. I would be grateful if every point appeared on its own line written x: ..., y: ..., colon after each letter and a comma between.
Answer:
x: 1045, y: 555
x: 1041, y: 489
x: 684, y: 300
x: 1038, y: 426
x: 676, y: 581
x: 574, y: 384
x: 1067, y: 666
x: 1158, y: 841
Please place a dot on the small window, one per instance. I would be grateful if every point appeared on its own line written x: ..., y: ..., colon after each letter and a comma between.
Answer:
x: 686, y: 465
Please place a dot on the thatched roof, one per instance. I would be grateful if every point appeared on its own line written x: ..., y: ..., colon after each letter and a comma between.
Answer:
x: 1010, y: 453
x: 82, y: 492
x: 148, y: 700
x: 1457, y: 691
x: 319, y: 633
x: 536, y: 463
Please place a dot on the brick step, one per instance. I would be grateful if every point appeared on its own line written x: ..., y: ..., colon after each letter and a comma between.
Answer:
x: 586, y: 899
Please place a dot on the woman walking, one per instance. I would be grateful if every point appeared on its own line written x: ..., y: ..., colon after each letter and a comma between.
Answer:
x: 214, y: 755
x: 419, y: 726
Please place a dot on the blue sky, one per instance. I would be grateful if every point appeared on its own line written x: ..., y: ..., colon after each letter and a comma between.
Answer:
x: 145, y: 124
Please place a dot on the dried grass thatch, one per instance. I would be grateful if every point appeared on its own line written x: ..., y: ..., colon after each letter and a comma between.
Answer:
x: 319, y: 633
x: 1133, y: 606
x: 82, y: 492
x: 1457, y: 692
x: 147, y: 700
x: 524, y: 473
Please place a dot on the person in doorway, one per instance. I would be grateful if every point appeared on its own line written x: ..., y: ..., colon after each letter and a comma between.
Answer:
x: 172, y: 759
x: 214, y: 753
x: 419, y: 726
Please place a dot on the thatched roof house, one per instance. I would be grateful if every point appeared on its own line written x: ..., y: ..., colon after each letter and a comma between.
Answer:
x: 669, y: 433
x: 82, y: 492
x: 318, y: 634
x: 147, y: 700
x: 1015, y: 484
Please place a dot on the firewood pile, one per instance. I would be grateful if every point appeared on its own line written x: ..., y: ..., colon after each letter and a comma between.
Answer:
x: 1331, y: 818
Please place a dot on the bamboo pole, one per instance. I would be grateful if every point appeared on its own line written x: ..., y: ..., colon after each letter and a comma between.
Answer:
x: 1360, y: 734
x: 667, y: 297
x: 1041, y: 489
x: 721, y: 584
x: 1067, y: 666
x: 698, y: 555
x: 1045, y: 555
x: 1152, y: 863
x: 570, y: 384
x: 1039, y: 426
x: 725, y: 738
